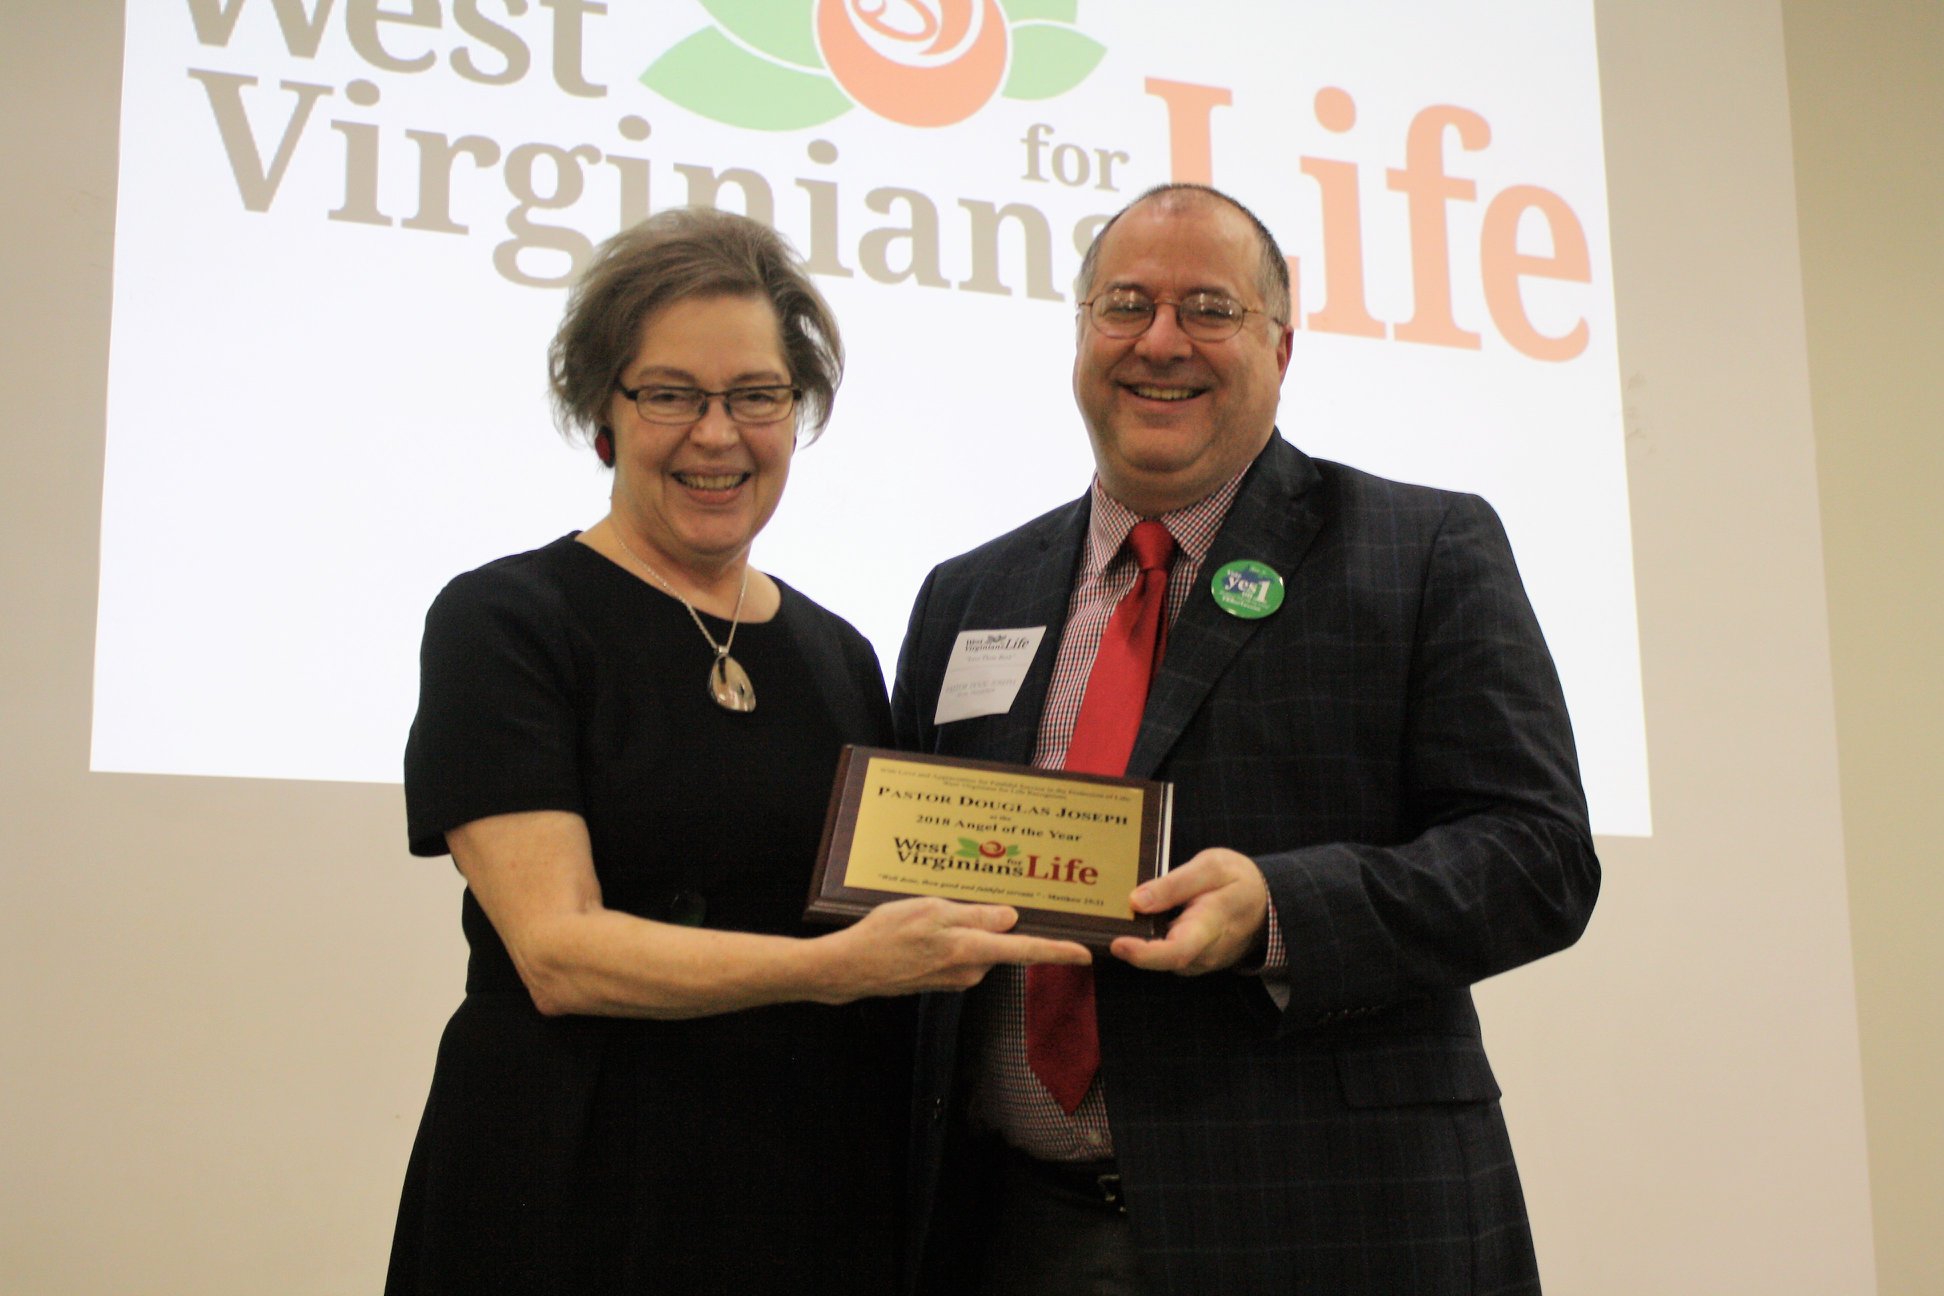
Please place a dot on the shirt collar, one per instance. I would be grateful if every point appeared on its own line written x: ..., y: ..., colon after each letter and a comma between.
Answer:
x: 1193, y: 527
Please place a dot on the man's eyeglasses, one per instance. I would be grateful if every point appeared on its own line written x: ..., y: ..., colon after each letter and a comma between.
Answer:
x: 1203, y: 316
x: 748, y: 405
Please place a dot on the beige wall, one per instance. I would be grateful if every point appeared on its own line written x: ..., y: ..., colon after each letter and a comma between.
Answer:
x: 223, y: 995
x: 226, y: 994
x: 1684, y: 1086
x: 1867, y: 87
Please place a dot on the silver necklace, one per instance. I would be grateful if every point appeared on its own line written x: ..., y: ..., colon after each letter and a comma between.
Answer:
x: 728, y: 682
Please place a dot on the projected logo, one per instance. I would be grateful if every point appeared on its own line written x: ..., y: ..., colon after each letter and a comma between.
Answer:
x: 398, y: 194
x: 926, y: 63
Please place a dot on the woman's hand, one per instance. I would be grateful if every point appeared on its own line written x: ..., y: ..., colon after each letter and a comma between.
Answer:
x: 533, y: 873
x: 928, y: 944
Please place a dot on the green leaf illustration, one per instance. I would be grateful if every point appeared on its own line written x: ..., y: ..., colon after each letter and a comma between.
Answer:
x: 780, y: 28
x: 1049, y: 61
x: 967, y: 846
x: 711, y: 75
x: 1052, y: 10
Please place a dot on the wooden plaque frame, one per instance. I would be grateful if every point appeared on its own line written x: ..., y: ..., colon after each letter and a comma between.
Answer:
x: 835, y: 898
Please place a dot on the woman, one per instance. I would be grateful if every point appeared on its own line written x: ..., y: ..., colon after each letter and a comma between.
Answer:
x: 658, y: 1081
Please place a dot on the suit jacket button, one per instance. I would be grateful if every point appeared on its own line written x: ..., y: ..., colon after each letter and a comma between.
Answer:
x: 938, y: 1110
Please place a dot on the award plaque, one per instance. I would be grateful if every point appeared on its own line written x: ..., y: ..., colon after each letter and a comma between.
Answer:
x: 1064, y: 849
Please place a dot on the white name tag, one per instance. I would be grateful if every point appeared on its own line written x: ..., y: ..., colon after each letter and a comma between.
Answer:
x: 985, y: 672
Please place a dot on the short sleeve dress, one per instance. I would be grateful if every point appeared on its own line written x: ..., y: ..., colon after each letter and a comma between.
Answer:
x: 752, y: 1151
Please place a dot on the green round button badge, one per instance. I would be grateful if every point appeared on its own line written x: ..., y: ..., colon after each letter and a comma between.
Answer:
x: 1247, y: 589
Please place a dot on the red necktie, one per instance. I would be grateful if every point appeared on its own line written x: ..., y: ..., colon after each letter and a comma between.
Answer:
x: 1062, y: 1036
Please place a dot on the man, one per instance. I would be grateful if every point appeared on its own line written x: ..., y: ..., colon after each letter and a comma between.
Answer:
x: 1377, y: 803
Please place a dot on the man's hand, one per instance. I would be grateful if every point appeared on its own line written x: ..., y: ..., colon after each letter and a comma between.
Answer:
x: 1224, y: 903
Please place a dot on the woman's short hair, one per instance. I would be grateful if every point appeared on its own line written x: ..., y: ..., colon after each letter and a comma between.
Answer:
x: 675, y: 256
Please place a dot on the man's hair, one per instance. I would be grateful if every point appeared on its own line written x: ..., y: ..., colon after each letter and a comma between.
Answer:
x: 1272, y: 271
x: 676, y: 256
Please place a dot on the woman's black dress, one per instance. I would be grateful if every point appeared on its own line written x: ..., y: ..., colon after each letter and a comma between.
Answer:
x: 751, y: 1151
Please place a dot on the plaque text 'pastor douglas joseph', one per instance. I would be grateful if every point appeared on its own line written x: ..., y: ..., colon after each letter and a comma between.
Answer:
x: 960, y: 801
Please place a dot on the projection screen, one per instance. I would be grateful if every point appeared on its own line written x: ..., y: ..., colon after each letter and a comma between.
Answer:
x: 345, y: 227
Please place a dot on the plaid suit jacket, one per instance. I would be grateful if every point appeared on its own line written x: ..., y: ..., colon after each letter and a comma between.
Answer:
x: 1392, y: 748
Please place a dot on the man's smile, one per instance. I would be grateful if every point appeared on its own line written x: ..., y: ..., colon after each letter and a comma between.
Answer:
x: 1155, y: 391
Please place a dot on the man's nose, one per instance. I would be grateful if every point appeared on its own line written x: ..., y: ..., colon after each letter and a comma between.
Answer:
x: 1164, y: 338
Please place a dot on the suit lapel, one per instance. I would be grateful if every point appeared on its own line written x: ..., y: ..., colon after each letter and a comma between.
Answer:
x: 1273, y: 520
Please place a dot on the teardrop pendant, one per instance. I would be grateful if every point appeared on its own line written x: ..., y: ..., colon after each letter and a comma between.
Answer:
x: 729, y: 684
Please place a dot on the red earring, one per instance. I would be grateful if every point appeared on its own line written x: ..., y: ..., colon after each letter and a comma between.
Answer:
x: 604, y: 447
